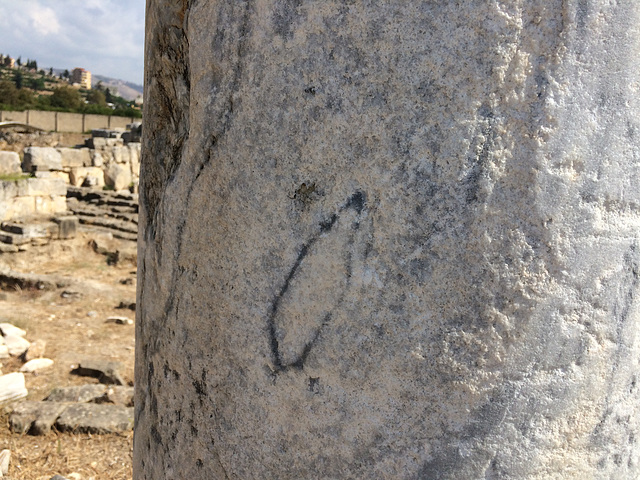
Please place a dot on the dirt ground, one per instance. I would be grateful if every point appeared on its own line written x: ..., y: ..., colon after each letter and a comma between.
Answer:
x: 72, y: 321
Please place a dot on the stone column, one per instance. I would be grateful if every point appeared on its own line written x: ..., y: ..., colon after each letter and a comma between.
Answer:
x: 389, y: 240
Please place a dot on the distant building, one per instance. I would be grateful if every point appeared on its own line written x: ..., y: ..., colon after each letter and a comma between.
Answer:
x: 81, y: 77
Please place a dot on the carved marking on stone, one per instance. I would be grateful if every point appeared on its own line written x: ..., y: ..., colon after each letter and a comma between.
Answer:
x: 314, y: 287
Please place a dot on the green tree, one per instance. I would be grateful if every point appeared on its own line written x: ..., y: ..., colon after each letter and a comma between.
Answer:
x: 66, y: 97
x: 51, y: 71
x: 10, y: 96
x: 66, y: 74
x: 108, y: 96
x: 36, y: 83
x: 96, y: 97
x: 17, y: 79
x: 19, y: 61
x: 8, y: 93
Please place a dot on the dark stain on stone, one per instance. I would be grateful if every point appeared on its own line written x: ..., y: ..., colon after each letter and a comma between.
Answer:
x: 355, y: 202
x: 314, y: 384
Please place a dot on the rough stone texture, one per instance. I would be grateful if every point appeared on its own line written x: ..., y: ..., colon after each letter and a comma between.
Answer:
x: 12, y: 387
x: 75, y: 157
x: 9, y: 163
x: 94, y: 418
x: 35, y: 418
x: 106, y: 371
x: 32, y: 197
x: 81, y: 393
x: 79, y: 175
x: 118, y: 176
x: 41, y: 159
x: 389, y: 240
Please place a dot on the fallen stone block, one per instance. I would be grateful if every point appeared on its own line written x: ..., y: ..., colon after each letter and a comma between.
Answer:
x: 10, y: 329
x: 16, y: 345
x: 67, y: 226
x: 36, y: 364
x: 12, y: 387
x: 77, y: 394
x: 95, y: 418
x: 35, y: 418
x: 12, y: 279
x: 36, y: 350
x: 106, y: 371
x: 118, y: 395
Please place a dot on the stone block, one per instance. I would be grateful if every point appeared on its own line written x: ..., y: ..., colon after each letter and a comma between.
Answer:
x: 67, y: 226
x: 12, y: 387
x: 9, y: 163
x: 42, y: 187
x: 121, y: 154
x: 118, y: 176
x: 75, y: 157
x: 51, y: 205
x: 17, y: 207
x: 35, y: 418
x: 78, y: 176
x: 82, y: 393
x: 99, y: 133
x: 95, y: 418
x: 134, y: 153
x: 41, y: 158
x: 97, y: 142
x: 8, y: 189
x: 96, y: 158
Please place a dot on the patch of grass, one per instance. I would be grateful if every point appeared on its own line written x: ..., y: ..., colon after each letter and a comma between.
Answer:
x: 13, y: 177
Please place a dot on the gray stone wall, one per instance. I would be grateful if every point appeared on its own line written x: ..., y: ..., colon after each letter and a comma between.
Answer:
x: 389, y: 240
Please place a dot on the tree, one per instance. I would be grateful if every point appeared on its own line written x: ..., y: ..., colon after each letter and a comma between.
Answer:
x: 96, y: 97
x: 12, y: 97
x: 36, y: 83
x: 66, y: 97
x: 51, y: 71
x: 8, y: 93
x: 19, y: 61
x: 66, y: 74
x: 108, y: 96
x: 17, y: 79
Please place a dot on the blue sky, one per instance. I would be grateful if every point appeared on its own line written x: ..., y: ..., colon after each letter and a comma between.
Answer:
x: 105, y: 37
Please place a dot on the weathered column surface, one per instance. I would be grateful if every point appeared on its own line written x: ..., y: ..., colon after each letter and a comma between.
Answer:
x: 389, y: 240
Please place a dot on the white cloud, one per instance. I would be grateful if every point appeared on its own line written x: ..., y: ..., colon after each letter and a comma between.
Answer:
x: 44, y: 20
x: 103, y: 36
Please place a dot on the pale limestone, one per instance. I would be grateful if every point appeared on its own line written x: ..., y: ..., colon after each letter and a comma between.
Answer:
x: 389, y: 240
x: 41, y: 159
x: 78, y: 175
x: 75, y: 157
x: 9, y: 163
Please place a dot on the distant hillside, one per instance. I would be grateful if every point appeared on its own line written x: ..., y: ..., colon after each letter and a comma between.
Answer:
x: 127, y: 90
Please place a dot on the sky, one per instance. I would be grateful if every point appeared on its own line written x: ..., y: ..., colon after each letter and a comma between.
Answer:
x: 105, y: 37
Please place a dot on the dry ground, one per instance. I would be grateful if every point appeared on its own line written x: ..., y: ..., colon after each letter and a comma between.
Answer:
x: 72, y: 321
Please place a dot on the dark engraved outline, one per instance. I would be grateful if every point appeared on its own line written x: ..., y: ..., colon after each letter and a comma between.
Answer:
x: 355, y: 202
